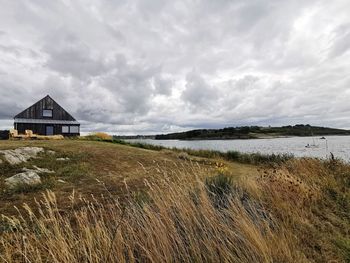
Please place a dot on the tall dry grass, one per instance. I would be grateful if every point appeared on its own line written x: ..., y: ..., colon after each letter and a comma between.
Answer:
x: 183, y: 217
x: 98, y: 136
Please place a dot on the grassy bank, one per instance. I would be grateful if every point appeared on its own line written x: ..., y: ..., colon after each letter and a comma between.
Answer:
x: 297, y: 213
x: 91, y: 166
x: 138, y: 205
x: 248, y: 158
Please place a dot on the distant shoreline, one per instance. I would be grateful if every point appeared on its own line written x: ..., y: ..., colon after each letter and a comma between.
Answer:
x: 245, y: 133
x: 222, y: 139
x: 254, y: 132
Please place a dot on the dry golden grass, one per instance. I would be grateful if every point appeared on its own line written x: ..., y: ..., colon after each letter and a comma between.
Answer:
x: 297, y: 212
x: 112, y: 164
x: 176, y: 222
x: 99, y: 136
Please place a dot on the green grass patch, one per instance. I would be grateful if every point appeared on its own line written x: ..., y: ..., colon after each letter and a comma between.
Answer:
x: 73, y: 168
x: 344, y: 246
x: 73, y: 172
x: 47, y: 183
x: 247, y: 158
x: 219, y: 189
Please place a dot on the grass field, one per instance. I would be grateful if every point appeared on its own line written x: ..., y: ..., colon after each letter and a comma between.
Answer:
x: 95, y: 167
x: 171, y: 206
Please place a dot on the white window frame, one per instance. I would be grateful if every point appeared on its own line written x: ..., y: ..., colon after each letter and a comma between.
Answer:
x: 73, y: 131
x: 47, y: 111
x: 65, y: 129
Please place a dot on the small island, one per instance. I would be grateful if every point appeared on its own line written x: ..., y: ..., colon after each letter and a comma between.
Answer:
x: 252, y: 132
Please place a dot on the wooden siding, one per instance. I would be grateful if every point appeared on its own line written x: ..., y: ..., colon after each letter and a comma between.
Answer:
x: 4, y: 134
x: 41, y: 128
x: 36, y: 111
x: 27, y: 119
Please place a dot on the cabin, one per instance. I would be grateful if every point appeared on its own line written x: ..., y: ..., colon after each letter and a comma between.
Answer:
x: 47, y: 117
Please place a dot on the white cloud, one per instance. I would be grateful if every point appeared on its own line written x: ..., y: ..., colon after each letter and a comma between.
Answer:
x: 161, y: 66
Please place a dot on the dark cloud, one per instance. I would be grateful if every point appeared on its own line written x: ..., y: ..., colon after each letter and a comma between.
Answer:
x: 70, y: 56
x: 162, y: 66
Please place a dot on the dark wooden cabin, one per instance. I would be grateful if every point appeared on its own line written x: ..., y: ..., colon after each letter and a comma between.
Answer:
x: 47, y: 117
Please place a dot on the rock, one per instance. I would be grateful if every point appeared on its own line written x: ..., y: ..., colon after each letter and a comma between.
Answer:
x: 63, y: 159
x: 51, y: 152
x: 183, y: 156
x: 1, y: 161
x: 38, y: 170
x: 61, y: 181
x: 20, y: 155
x: 25, y: 178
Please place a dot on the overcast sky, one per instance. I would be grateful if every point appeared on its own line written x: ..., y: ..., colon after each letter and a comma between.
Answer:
x: 151, y: 66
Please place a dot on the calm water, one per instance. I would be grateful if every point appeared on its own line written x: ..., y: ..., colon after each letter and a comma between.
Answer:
x: 338, y: 145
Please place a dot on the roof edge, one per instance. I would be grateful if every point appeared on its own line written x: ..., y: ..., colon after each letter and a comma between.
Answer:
x: 45, y: 121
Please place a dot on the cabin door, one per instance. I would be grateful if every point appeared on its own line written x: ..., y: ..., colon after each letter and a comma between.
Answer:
x: 49, y: 130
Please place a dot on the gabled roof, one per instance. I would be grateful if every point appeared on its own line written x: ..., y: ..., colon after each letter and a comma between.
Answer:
x: 35, y: 110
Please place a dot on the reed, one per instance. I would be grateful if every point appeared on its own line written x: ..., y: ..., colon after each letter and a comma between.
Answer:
x: 296, y: 213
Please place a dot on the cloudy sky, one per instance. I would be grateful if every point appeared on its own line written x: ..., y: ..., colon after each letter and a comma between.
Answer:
x: 151, y: 66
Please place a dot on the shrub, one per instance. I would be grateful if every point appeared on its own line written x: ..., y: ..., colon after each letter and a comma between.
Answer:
x: 220, y: 189
x: 99, y: 136
x: 233, y: 155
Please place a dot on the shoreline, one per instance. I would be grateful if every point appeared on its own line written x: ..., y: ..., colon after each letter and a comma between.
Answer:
x: 251, y: 138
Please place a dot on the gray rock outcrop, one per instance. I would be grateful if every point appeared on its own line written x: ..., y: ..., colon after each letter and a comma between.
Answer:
x: 22, y: 154
x: 25, y: 178
x: 37, y: 170
x: 63, y: 159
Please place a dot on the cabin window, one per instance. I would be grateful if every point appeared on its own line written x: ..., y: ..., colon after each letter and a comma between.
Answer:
x: 65, y: 129
x: 74, y: 129
x: 47, y: 113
